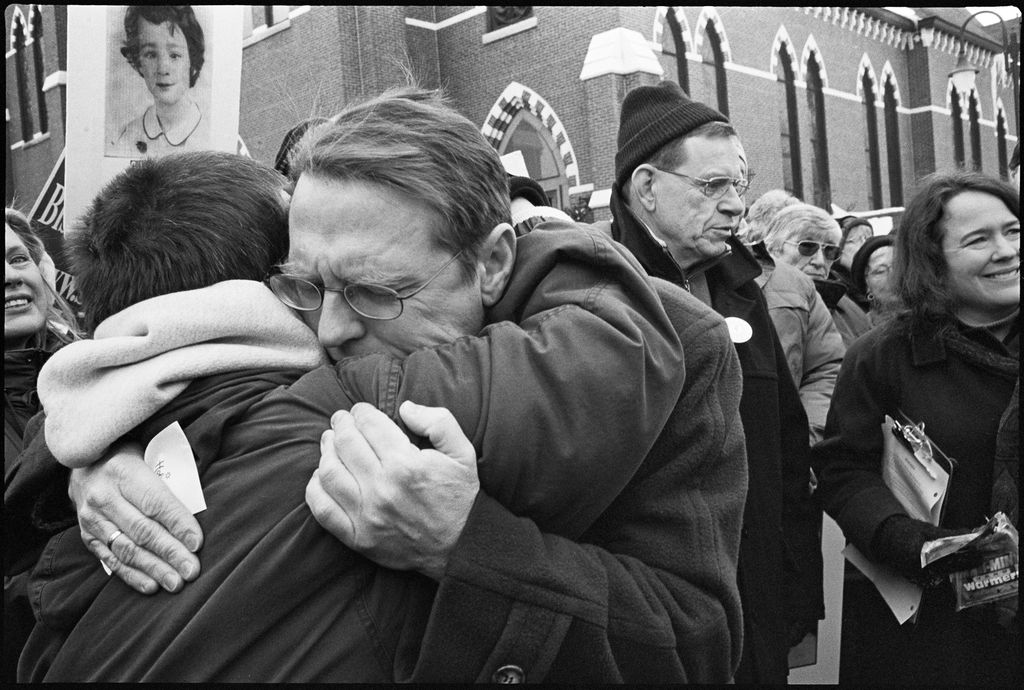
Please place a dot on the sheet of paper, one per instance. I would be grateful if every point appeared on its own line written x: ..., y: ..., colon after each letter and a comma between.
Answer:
x: 902, y: 596
x: 170, y: 456
x: 919, y: 487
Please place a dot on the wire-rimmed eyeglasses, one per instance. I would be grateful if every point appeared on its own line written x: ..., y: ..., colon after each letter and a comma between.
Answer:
x: 371, y: 301
x: 716, y: 187
x: 831, y: 252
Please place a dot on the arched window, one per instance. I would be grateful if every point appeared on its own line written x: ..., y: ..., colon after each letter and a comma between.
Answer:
x: 892, y: 143
x: 789, y: 123
x: 871, y: 145
x: 973, y: 118
x: 37, y: 59
x: 1004, y: 170
x: 527, y: 134
x: 678, y: 49
x: 21, y: 73
x: 957, y: 114
x: 717, y: 60
x: 819, y: 136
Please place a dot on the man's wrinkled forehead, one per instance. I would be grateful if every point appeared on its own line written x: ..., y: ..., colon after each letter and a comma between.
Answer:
x: 356, y: 232
x: 714, y: 150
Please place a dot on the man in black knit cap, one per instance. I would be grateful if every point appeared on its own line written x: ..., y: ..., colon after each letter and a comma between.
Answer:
x: 680, y: 174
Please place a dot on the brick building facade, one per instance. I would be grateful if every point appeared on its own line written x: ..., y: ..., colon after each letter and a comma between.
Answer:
x: 844, y: 106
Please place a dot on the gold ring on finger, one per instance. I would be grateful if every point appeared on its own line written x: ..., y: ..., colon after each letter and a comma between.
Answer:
x: 112, y: 537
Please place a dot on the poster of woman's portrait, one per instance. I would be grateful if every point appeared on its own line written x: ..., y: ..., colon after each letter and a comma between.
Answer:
x: 158, y: 89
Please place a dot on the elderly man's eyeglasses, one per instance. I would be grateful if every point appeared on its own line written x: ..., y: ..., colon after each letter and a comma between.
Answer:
x: 371, y: 301
x: 808, y: 248
x: 716, y: 187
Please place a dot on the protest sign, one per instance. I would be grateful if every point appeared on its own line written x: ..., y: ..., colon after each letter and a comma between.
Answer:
x: 138, y: 88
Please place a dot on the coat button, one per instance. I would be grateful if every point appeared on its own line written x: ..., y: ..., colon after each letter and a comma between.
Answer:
x: 509, y: 674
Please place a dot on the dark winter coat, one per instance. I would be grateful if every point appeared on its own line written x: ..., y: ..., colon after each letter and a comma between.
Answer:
x: 780, y: 568
x: 258, y: 529
x: 963, y: 386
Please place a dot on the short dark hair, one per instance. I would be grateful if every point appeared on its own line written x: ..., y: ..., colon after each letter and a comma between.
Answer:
x: 920, y: 270
x: 180, y: 222
x: 180, y: 16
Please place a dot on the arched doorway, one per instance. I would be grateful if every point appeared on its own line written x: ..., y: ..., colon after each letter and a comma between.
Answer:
x: 528, y: 135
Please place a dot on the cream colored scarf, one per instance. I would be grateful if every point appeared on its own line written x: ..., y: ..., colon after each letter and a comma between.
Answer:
x: 95, y: 391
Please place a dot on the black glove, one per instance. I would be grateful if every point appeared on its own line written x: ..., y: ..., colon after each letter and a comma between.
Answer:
x: 898, y: 541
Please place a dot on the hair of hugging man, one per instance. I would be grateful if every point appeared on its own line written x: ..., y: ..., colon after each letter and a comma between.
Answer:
x: 412, y: 141
x: 179, y: 222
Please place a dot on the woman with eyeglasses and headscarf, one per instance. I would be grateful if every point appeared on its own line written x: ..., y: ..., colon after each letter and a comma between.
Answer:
x: 950, y: 361
x: 810, y: 338
x: 871, y: 272
x: 807, y: 238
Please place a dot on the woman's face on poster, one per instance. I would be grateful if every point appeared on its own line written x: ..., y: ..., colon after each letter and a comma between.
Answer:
x: 163, y: 61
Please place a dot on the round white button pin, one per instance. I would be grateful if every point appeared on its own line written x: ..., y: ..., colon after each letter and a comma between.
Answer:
x: 739, y: 330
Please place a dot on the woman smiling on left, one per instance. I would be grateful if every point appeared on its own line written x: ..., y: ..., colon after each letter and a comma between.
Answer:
x: 37, y: 322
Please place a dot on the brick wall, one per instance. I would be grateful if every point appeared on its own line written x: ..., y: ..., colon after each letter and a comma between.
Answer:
x: 330, y: 55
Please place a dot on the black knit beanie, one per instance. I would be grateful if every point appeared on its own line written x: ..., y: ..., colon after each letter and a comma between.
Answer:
x: 651, y: 117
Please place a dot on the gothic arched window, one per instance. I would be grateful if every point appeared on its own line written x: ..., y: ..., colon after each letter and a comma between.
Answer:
x: 819, y: 135
x: 718, y: 61
x: 789, y: 124
x: 957, y: 115
x: 892, y: 143
x: 676, y: 31
x: 37, y: 58
x: 973, y: 118
x: 871, y: 142
x: 1004, y: 169
x: 18, y: 45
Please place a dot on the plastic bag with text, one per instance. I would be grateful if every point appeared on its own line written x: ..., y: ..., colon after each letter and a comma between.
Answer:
x: 993, y: 553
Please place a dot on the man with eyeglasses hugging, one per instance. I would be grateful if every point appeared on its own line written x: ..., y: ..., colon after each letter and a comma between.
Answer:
x: 680, y: 173
x: 597, y: 539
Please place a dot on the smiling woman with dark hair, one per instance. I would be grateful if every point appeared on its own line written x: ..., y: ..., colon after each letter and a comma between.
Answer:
x: 949, y: 361
x: 165, y: 45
